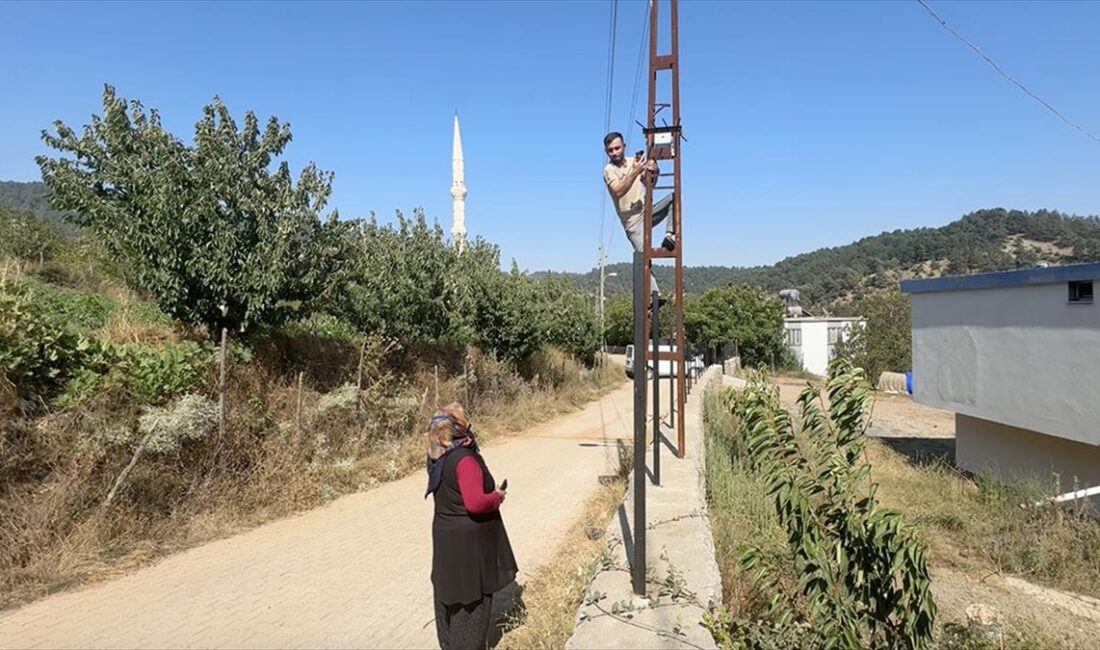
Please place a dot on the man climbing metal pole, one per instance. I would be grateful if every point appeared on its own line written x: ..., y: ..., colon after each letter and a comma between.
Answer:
x: 624, y: 178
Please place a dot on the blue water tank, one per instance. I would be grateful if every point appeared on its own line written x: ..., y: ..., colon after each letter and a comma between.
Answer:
x: 909, y: 381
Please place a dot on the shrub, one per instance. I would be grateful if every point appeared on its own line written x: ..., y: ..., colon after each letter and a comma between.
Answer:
x: 38, y: 353
x: 861, y: 571
x: 155, y: 376
x: 80, y: 310
x: 189, y: 418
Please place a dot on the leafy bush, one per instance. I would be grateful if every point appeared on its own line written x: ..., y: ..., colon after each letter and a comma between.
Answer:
x: 38, y: 353
x: 82, y: 263
x: 406, y: 282
x: 155, y: 376
x: 324, y: 326
x: 862, y: 573
x: 399, y: 280
x: 80, y: 310
x: 151, y: 375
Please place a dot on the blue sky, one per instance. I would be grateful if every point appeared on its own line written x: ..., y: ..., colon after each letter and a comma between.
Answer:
x: 809, y: 124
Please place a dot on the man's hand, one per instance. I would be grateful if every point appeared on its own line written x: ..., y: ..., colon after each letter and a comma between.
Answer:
x: 621, y: 186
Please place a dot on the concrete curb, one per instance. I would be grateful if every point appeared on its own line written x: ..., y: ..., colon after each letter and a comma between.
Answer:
x: 684, y: 578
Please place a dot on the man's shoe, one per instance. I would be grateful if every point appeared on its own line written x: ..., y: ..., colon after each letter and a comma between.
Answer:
x: 669, y: 243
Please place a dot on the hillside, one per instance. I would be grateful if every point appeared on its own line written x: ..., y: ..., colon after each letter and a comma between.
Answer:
x: 986, y: 240
x: 31, y: 197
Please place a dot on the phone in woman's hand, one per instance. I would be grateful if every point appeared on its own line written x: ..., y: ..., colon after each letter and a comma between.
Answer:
x: 504, y: 485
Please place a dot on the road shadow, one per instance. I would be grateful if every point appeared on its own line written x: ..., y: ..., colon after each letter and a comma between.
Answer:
x: 668, y: 444
x: 628, y: 536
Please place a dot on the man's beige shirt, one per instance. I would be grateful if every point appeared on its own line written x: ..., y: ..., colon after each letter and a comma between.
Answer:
x: 630, y: 206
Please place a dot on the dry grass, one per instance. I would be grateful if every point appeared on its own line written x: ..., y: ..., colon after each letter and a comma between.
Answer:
x: 739, y: 510
x: 977, y: 530
x: 553, y: 594
x: 55, y: 470
x: 131, y: 322
x: 981, y: 526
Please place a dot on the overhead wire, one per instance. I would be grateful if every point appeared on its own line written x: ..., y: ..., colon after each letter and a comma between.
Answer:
x: 638, y: 68
x: 1001, y: 71
x: 608, y: 103
x: 633, y: 99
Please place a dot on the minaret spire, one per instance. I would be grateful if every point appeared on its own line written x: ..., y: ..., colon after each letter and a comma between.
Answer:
x: 458, y: 189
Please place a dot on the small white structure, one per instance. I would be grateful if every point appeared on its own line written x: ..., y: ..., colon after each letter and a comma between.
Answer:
x: 1016, y: 355
x: 812, y: 339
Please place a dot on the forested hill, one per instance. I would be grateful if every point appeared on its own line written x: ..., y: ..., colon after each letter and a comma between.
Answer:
x: 987, y: 240
x: 31, y: 197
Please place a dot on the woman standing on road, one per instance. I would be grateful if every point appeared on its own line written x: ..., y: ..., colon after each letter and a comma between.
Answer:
x: 471, y: 555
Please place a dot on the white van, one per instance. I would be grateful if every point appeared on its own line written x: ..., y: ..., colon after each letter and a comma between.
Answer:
x: 666, y: 368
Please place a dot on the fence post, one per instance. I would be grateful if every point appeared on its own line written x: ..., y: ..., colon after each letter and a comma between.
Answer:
x: 466, y: 380
x: 298, y: 416
x: 221, y: 384
x: 358, y: 383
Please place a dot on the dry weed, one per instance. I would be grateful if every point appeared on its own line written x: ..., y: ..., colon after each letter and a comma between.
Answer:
x: 553, y: 594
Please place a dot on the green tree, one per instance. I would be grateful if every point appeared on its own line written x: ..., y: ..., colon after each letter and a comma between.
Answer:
x: 504, y: 319
x: 884, y: 343
x: 741, y: 314
x: 210, y: 230
x: 618, y: 320
x: 567, y: 318
x: 395, y: 280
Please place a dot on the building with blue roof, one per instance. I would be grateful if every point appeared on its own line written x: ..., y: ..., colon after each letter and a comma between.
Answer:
x: 1016, y: 356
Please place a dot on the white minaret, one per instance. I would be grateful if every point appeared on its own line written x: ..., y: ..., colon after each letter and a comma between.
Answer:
x: 458, y: 190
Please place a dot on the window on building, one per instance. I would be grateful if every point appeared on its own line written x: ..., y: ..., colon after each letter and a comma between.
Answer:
x: 1080, y: 292
x: 794, y: 337
x: 836, y: 335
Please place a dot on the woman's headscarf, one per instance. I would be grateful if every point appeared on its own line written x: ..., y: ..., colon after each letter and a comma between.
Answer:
x: 448, y: 430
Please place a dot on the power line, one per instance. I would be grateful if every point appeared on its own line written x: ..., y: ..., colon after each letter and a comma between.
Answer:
x: 611, y: 31
x: 610, y: 65
x: 638, y: 69
x: 633, y: 106
x: 943, y: 23
x: 606, y: 127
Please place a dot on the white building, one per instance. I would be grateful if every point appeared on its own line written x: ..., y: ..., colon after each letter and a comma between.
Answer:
x: 812, y: 339
x: 1016, y: 355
